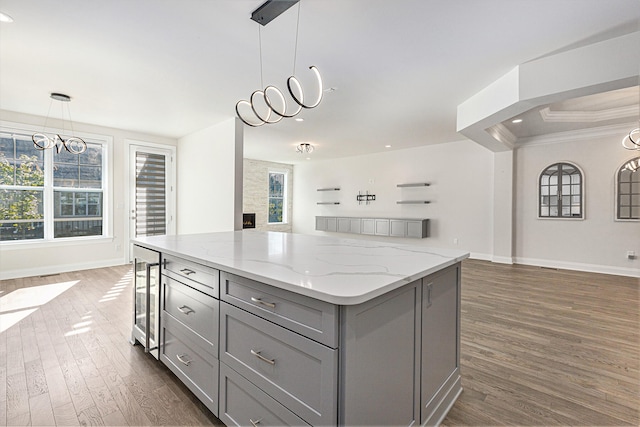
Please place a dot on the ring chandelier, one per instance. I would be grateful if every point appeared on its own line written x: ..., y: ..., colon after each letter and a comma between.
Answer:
x: 629, y: 142
x: 73, y: 145
x: 279, y: 111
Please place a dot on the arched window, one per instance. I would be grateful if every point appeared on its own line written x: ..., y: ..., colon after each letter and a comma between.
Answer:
x: 561, y: 192
x: 628, y: 191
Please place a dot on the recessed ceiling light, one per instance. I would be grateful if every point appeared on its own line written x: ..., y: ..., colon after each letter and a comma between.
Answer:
x: 299, y: 119
x: 387, y: 146
x: 308, y: 158
x: 5, y: 18
x: 516, y: 121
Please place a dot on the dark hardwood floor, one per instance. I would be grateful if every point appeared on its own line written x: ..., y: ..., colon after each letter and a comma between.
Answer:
x: 539, y: 347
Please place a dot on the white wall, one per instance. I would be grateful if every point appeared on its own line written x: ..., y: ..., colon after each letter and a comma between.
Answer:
x: 209, y: 196
x: 597, y: 243
x: 28, y: 259
x: 461, y: 178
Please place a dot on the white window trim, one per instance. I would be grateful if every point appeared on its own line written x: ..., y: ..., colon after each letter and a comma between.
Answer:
x: 583, y: 190
x: 107, y: 193
x: 285, y: 196
x: 615, y: 196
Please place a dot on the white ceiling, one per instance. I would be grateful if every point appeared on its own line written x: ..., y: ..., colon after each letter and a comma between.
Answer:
x: 171, y: 67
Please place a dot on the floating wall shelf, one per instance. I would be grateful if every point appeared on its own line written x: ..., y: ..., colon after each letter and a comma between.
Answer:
x: 328, y: 203
x: 329, y: 189
x: 417, y: 184
x: 413, y: 202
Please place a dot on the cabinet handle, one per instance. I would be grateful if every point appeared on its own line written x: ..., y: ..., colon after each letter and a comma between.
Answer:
x: 185, y: 309
x: 429, y: 291
x: 180, y: 358
x: 256, y: 422
x: 187, y: 272
x: 266, y: 304
x: 261, y: 357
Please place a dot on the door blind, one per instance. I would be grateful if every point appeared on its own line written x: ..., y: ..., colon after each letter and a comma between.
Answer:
x: 151, y: 215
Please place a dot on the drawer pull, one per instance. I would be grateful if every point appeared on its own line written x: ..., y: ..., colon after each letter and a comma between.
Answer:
x: 266, y: 304
x: 256, y: 422
x: 187, y: 272
x: 185, y: 309
x: 180, y: 358
x: 261, y: 357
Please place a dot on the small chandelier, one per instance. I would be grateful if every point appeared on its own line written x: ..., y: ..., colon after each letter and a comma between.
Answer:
x: 73, y: 144
x: 304, y: 148
x: 272, y: 100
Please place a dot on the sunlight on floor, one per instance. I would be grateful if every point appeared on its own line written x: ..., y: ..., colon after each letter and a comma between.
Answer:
x: 18, y: 304
x: 116, y: 290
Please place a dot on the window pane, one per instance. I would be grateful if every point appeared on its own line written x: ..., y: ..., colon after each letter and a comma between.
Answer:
x: 93, y: 155
x: 635, y: 212
x: 275, y: 210
x: 553, y: 211
x: 544, y: 211
x: 77, y: 228
x: 21, y: 212
x: 65, y: 175
x: 91, y: 176
x: 553, y: 180
x: 276, y: 185
x: 625, y: 212
x: 544, y: 190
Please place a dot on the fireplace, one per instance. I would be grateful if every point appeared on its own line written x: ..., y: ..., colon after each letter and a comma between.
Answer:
x: 248, y: 220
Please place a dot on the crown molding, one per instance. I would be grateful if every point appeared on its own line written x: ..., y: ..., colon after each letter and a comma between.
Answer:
x: 577, y: 135
x: 569, y: 116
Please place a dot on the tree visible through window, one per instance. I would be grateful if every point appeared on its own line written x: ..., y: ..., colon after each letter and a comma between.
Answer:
x: 277, y: 192
x: 560, y: 192
x: 65, y: 200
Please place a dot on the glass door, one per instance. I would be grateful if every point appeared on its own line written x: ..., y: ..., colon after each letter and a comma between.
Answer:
x: 147, y: 299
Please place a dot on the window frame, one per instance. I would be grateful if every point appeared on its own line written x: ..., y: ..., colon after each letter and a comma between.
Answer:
x: 616, y: 194
x: 582, y: 192
x: 49, y: 189
x: 285, y: 198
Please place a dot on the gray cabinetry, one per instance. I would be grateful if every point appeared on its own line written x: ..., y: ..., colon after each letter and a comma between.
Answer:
x: 298, y: 372
x: 190, y: 326
x: 440, y: 345
x: 395, y: 227
x: 244, y: 404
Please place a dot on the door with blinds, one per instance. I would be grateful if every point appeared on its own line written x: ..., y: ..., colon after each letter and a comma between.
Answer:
x: 151, y: 191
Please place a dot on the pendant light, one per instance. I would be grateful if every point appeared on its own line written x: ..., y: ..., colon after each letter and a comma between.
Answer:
x: 73, y: 144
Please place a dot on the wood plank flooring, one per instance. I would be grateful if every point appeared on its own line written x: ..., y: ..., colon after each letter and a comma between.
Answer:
x: 539, y: 347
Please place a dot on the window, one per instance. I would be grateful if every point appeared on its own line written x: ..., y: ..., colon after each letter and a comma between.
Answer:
x: 277, y: 197
x: 45, y: 195
x: 628, y: 193
x: 561, y: 192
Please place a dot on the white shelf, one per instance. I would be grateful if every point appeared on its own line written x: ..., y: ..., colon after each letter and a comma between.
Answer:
x: 328, y: 203
x: 413, y: 202
x: 416, y: 184
x: 329, y: 189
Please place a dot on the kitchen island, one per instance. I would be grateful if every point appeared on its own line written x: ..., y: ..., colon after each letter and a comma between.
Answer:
x: 274, y: 328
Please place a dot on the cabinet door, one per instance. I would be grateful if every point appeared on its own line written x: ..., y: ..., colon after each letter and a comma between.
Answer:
x: 382, y: 227
x: 398, y: 227
x: 332, y: 224
x: 354, y: 226
x: 321, y: 223
x: 368, y: 226
x: 344, y: 225
x: 417, y: 229
x: 440, y: 331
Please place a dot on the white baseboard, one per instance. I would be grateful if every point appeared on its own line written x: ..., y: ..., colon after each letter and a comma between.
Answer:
x: 480, y: 256
x: 502, y: 259
x: 55, y: 269
x: 591, y: 268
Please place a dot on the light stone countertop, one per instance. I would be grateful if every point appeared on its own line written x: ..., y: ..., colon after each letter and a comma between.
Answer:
x: 336, y: 270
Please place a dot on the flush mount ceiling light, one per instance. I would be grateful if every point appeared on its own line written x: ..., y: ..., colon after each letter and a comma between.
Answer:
x: 269, y: 105
x: 304, y: 148
x: 73, y: 144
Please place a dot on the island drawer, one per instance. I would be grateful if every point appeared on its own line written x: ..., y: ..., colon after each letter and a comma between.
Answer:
x: 243, y: 404
x: 196, y: 367
x: 200, y: 277
x: 196, y: 310
x: 299, y: 373
x: 310, y: 317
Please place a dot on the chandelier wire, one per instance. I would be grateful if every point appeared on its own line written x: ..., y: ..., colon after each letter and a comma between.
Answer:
x: 293, y: 86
